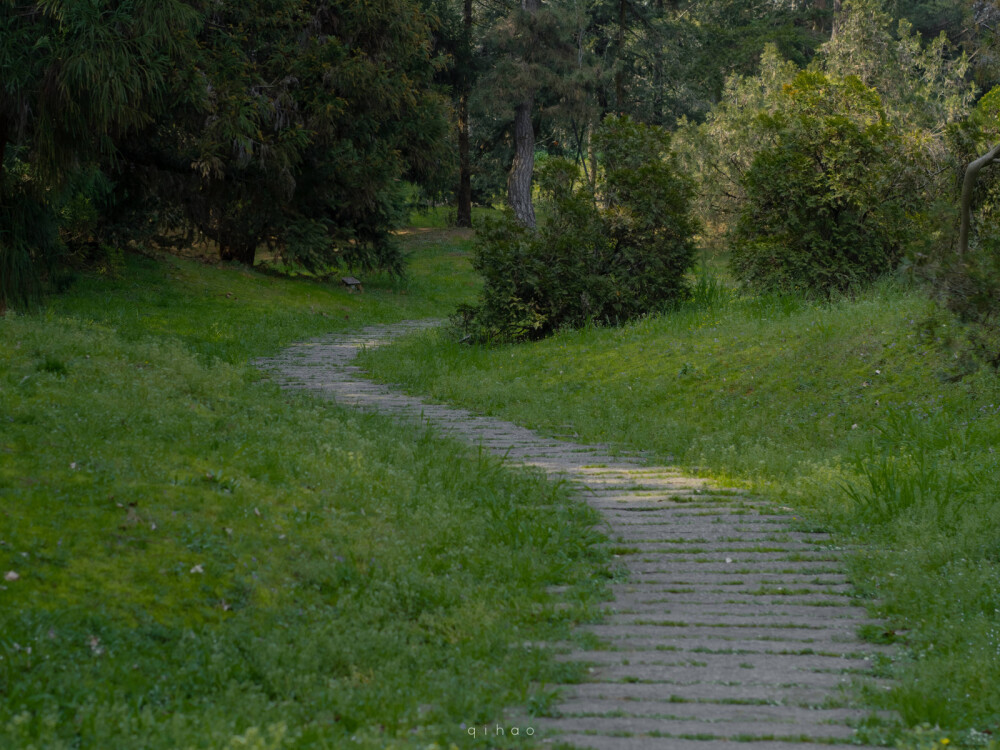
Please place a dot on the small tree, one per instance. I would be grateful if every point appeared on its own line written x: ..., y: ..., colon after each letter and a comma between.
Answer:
x: 829, y: 199
x: 922, y: 84
x: 977, y: 141
x: 719, y: 151
x: 605, y: 261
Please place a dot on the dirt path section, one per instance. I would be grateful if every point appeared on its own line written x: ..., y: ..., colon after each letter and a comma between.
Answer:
x: 733, y: 628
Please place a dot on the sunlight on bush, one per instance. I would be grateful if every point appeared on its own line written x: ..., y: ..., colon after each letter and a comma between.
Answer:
x: 829, y: 198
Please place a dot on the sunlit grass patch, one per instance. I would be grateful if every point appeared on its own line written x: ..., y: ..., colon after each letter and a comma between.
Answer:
x: 235, y: 314
x: 443, y: 217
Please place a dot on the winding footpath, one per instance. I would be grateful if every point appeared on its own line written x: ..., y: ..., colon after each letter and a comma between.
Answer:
x: 733, y: 629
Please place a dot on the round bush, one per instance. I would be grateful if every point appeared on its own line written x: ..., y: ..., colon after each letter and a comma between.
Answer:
x: 604, y: 258
x: 829, y: 197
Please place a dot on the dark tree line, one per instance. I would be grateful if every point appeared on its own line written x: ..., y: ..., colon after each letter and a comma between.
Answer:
x: 279, y: 123
x: 292, y: 124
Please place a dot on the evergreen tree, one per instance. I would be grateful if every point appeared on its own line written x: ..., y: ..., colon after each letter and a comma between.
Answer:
x: 293, y: 127
x: 279, y: 122
x: 77, y: 76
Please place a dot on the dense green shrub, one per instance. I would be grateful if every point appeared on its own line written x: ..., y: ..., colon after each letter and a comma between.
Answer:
x: 922, y: 85
x: 46, y: 234
x: 604, y: 258
x: 970, y: 288
x: 830, y: 198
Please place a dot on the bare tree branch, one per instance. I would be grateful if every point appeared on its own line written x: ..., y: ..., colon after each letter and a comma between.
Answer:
x: 968, y: 185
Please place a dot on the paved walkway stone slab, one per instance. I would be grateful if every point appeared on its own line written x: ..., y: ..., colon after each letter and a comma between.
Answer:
x: 732, y: 628
x: 644, y: 742
x: 678, y: 726
x: 786, y: 664
x: 793, y: 695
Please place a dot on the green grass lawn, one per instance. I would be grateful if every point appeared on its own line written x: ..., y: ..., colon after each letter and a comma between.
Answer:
x: 850, y: 411
x: 193, y: 558
x: 234, y: 314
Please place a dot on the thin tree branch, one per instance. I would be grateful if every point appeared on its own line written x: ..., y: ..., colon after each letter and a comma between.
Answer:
x: 968, y: 185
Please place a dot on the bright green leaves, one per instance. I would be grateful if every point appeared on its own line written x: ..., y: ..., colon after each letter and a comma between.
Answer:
x: 827, y: 200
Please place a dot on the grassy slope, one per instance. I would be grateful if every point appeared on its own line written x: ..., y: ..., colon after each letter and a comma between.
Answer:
x: 205, y: 561
x: 798, y: 400
x: 234, y: 314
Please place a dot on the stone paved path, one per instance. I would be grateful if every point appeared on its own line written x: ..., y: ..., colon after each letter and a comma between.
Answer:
x: 731, y: 626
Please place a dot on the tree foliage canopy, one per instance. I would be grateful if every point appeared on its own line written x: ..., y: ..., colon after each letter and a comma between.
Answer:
x: 290, y: 124
x: 77, y: 76
x: 298, y: 120
x: 286, y: 123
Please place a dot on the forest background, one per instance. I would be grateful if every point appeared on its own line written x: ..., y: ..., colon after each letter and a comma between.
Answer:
x: 299, y: 129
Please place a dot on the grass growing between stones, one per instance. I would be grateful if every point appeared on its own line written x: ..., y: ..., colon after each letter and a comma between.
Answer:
x: 849, y: 411
x: 193, y: 558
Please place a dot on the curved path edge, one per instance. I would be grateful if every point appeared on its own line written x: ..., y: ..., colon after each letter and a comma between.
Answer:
x: 734, y: 628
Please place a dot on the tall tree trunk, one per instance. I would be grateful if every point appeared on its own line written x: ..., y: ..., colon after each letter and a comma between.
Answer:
x: 4, y: 139
x: 619, y: 73
x: 523, y: 166
x: 837, y: 4
x: 235, y: 244
x: 464, y: 217
x: 244, y: 253
x: 658, y: 117
x: 819, y: 5
x: 519, y: 179
x: 4, y: 135
x: 592, y: 157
